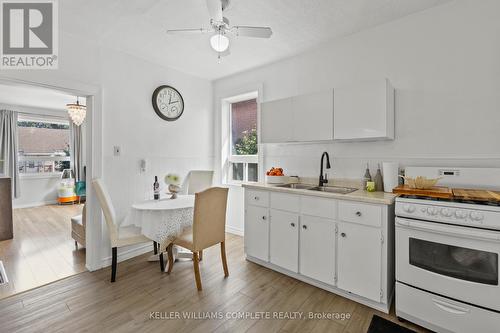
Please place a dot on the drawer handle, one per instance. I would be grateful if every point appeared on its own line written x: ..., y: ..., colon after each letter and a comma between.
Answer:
x: 256, y: 198
x: 304, y: 227
x: 448, y: 307
x: 292, y: 224
x: 343, y: 234
x: 358, y: 213
x: 264, y: 218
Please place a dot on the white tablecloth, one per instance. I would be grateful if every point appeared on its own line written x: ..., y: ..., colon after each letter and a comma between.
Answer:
x: 162, y: 220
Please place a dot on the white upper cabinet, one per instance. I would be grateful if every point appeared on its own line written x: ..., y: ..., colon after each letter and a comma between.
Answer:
x: 276, y: 121
x: 304, y: 118
x: 364, y: 111
x: 313, y: 117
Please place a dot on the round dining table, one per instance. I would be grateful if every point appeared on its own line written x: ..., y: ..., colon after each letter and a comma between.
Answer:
x: 163, y: 220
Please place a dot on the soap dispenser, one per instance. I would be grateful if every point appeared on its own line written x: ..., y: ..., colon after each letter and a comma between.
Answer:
x: 379, y: 182
x: 367, y: 177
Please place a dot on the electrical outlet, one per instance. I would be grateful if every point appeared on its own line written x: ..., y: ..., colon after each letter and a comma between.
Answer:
x: 117, y: 150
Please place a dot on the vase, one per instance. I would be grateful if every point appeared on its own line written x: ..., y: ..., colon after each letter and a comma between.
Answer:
x: 173, y: 189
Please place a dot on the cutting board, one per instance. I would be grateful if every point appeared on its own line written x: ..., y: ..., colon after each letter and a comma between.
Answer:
x: 434, y: 192
x: 476, y: 195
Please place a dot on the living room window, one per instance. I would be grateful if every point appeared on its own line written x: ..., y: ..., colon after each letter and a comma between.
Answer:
x: 243, y: 137
x: 44, y: 145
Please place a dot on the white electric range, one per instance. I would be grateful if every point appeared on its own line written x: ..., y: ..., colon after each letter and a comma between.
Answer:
x: 447, y: 255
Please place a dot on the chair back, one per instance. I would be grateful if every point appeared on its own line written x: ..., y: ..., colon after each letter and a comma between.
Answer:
x: 107, y: 208
x: 209, y: 220
x: 199, y: 180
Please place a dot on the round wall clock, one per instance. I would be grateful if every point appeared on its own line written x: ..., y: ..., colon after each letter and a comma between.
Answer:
x: 168, y: 103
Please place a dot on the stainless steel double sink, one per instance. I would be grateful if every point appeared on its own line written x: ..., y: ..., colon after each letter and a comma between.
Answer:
x: 329, y: 189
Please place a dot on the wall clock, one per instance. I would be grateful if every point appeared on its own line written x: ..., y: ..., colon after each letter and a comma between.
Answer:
x: 168, y: 103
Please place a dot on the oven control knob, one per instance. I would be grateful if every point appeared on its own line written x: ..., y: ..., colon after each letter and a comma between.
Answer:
x: 476, y: 216
x: 409, y: 208
x: 461, y: 214
x: 432, y: 210
x: 446, y: 212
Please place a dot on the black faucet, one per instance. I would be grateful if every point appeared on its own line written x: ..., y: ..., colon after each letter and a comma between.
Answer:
x: 323, y: 179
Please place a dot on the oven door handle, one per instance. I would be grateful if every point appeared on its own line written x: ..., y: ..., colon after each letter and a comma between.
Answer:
x: 458, y: 231
x: 451, y: 308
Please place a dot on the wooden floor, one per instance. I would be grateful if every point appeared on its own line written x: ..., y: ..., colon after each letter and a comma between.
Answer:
x: 42, y: 250
x: 89, y: 302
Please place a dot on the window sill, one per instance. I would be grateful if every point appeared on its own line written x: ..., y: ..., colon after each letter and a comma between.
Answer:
x: 40, y: 175
x: 238, y: 184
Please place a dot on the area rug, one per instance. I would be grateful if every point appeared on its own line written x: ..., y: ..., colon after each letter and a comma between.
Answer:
x: 381, y: 325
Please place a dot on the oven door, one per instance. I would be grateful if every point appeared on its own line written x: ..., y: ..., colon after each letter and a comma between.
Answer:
x: 453, y: 261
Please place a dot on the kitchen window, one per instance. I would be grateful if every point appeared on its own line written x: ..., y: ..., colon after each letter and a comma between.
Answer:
x: 243, y: 155
x: 44, y: 145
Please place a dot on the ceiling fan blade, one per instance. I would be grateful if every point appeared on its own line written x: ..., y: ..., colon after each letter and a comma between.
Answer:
x: 257, y: 32
x: 215, y: 10
x: 189, y: 31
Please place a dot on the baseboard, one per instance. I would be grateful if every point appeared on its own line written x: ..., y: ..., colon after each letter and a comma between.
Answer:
x: 234, y: 231
x: 34, y: 204
x: 130, y: 253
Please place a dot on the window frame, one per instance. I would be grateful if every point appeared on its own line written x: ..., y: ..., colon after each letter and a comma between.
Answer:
x: 245, y: 159
x: 47, y: 119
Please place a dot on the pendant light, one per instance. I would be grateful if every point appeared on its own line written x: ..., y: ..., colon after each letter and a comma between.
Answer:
x: 77, y: 112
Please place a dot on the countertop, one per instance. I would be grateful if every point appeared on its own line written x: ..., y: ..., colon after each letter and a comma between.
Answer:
x: 359, y: 195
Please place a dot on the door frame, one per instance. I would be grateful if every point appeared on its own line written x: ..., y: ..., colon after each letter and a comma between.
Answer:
x: 93, y: 148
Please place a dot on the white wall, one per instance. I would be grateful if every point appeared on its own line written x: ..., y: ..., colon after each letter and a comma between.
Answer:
x: 129, y: 120
x: 444, y: 64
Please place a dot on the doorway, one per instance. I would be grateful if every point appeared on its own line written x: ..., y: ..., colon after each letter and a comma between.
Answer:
x: 49, y: 226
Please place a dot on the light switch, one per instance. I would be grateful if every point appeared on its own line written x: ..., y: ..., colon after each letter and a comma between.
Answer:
x: 117, y: 150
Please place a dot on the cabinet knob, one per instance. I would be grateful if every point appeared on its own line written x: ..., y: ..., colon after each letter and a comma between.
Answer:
x: 343, y: 234
x: 292, y: 224
x: 263, y: 217
x: 358, y: 213
x: 304, y: 227
x: 256, y: 198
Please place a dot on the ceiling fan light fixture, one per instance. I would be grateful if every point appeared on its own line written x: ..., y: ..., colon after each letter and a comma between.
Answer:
x: 219, y: 42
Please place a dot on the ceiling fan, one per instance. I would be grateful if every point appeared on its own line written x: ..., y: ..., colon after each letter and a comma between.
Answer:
x: 220, y: 28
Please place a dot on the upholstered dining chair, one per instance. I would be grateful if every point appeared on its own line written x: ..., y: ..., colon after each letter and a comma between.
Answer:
x: 199, y: 180
x: 78, y: 226
x: 209, y: 222
x: 119, y: 236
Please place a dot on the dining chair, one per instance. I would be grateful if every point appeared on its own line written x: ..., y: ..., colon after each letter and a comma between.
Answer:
x: 119, y: 236
x: 199, y: 180
x: 209, y: 223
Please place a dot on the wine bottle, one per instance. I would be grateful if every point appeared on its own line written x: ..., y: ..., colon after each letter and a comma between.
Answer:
x: 156, y: 189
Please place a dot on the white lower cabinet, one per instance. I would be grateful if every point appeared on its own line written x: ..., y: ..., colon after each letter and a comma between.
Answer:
x: 317, y: 248
x: 334, y: 244
x: 284, y: 239
x: 360, y: 260
x: 257, y: 232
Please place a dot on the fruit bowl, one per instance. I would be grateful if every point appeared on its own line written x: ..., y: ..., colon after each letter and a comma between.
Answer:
x: 276, y: 179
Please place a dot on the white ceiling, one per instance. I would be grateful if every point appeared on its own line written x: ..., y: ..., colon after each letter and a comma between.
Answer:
x: 32, y: 96
x: 138, y: 27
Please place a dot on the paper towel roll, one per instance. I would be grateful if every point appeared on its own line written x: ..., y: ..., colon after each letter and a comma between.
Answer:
x: 390, y: 171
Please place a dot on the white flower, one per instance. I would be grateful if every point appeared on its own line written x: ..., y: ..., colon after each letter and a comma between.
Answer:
x: 172, y: 179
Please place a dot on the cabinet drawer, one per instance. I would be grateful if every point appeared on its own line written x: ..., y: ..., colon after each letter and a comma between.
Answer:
x: 283, y: 201
x: 360, y: 213
x: 257, y: 198
x: 320, y: 207
x: 442, y: 314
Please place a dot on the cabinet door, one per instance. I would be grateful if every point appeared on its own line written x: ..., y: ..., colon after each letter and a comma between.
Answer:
x: 317, y: 248
x: 359, y: 260
x: 284, y: 240
x: 276, y: 124
x: 364, y: 111
x: 313, y: 116
x: 257, y: 232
